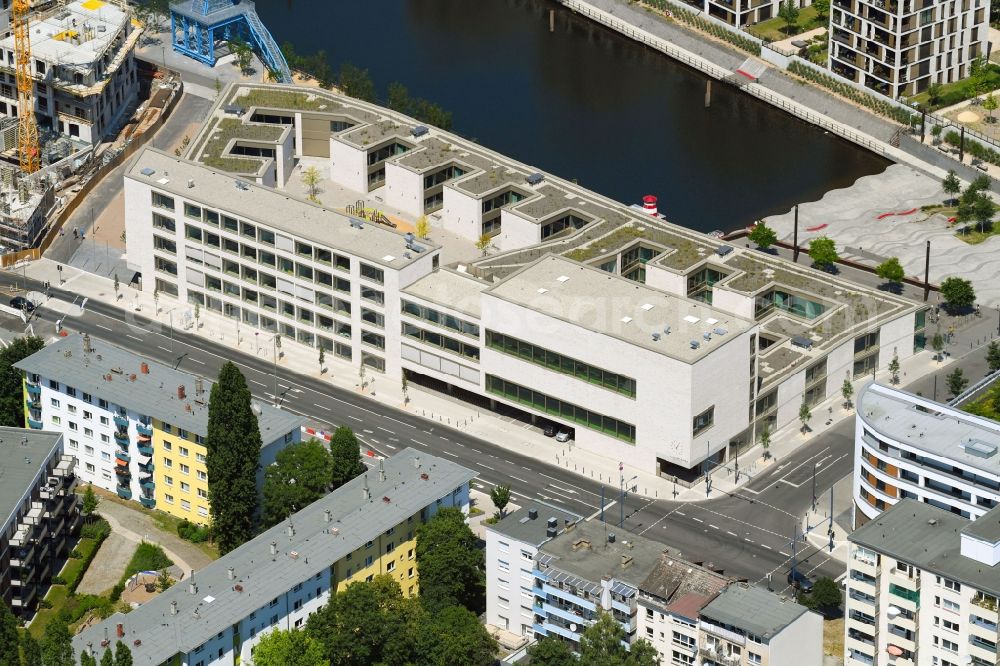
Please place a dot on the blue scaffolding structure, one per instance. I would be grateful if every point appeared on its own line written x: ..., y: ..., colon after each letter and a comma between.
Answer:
x: 197, y: 25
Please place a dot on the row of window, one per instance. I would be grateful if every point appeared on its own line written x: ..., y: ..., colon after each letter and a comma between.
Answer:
x: 441, y: 341
x: 561, y: 409
x: 441, y: 319
x: 559, y: 363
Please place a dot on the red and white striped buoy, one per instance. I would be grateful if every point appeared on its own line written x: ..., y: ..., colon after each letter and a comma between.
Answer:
x: 649, y: 204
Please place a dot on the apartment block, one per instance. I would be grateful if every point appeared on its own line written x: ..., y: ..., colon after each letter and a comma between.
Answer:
x: 276, y: 580
x: 900, y: 47
x: 746, y: 625
x: 910, y: 447
x: 41, y: 515
x: 136, y: 427
x: 922, y: 588
x: 83, y: 67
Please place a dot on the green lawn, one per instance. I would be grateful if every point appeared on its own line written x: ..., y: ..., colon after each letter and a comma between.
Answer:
x: 775, y: 29
x: 57, y: 596
x: 984, y: 406
x: 953, y: 93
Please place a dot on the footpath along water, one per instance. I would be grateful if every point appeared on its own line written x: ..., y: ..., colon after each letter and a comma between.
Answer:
x: 583, y: 102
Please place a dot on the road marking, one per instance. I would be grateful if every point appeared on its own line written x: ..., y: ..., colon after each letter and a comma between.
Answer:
x: 386, y: 430
x: 444, y: 438
x: 166, y: 349
x: 391, y: 447
x: 196, y: 360
x: 476, y: 450
x: 417, y: 441
x: 679, y: 513
x: 459, y: 443
x: 316, y: 404
x: 731, y: 533
x: 369, y: 432
x: 449, y: 453
x: 485, y: 466
x: 519, y: 480
x: 781, y: 552
x: 134, y: 338
x: 701, y: 521
x: 747, y: 540
x: 353, y: 417
x: 527, y: 468
x: 714, y: 527
x: 598, y: 512
x: 764, y: 545
x: 259, y: 383
x: 104, y: 327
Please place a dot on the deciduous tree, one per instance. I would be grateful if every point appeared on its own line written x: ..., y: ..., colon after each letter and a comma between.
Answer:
x: 12, y: 380
x: 789, y: 13
x: 550, y: 651
x: 891, y: 271
x: 804, y: 415
x: 823, y: 252
x: 765, y: 441
x: 847, y: 390
x: 123, y: 654
x: 957, y: 381
x: 232, y: 459
x: 355, y: 82
x: 8, y: 636
x: 951, y: 184
x: 57, y: 644
x: 300, y: 475
x: 894, y: 368
x: 762, y: 235
x: 311, y: 178
x: 454, y: 635
x: 90, y: 500
x: 31, y: 651
x: 601, y: 644
x: 450, y: 563
x: 500, y: 496
x: 346, y: 457
x: 993, y: 356
x: 289, y: 648
x: 958, y: 293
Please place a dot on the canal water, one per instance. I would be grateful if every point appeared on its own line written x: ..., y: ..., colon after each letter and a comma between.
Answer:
x: 583, y: 103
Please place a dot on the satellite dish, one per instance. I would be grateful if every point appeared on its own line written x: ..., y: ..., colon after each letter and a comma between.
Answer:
x: 572, y: 626
x: 892, y: 612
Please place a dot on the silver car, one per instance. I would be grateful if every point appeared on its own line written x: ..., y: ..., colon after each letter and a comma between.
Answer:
x: 564, y: 435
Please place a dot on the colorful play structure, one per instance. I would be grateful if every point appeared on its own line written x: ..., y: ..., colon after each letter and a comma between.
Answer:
x: 197, y: 26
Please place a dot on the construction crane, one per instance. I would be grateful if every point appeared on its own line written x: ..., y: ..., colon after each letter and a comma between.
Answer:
x: 28, y: 152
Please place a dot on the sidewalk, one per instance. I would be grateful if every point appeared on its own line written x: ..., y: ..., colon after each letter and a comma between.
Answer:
x: 515, y: 435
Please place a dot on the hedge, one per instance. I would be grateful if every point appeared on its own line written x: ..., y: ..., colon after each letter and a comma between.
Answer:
x: 974, y: 148
x: 844, y: 89
x: 87, y: 549
x: 193, y: 532
x: 697, y: 20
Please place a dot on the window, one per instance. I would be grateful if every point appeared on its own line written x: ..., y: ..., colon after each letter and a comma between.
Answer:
x: 203, y: 493
x: 169, y: 480
x: 169, y: 498
x: 71, y: 409
x: 192, y: 211
x: 162, y: 201
x: 186, y: 505
x: 104, y: 420
x: 168, y: 463
x: 87, y: 416
x: 88, y: 432
x: 185, y: 469
x: 185, y: 487
x: 89, y: 450
x: 753, y: 658
x: 183, y: 450
x: 202, y: 476
x: 704, y: 421
x: 54, y: 402
x: 369, y: 560
x: 168, y: 446
x: 372, y: 273
x: 391, y: 566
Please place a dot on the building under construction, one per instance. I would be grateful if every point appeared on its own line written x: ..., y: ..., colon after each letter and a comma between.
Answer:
x: 25, y: 204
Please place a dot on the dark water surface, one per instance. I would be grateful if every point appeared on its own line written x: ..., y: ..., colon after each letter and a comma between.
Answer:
x: 583, y: 103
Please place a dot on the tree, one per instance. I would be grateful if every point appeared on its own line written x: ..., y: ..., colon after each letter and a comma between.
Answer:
x: 894, y: 368
x: 109, y: 658
x: 993, y: 356
x: 957, y: 381
x: 825, y: 593
x: 85, y: 659
x: 765, y: 442
x: 483, y: 243
x: 232, y: 459
x: 601, y: 644
x: 289, y: 648
x: 450, y: 563
x: 762, y: 236
x: 951, y: 184
x: 244, y: 55
x: 355, y: 82
x: 804, y: 415
x: 550, y: 651
x: 57, y: 644
x: 423, y: 227
x: 346, y: 456
x: 937, y: 344
x: 979, y: 76
x: 455, y: 636
x: 958, y: 293
x: 123, y: 655
x: 500, y: 496
x: 847, y: 390
x: 311, y: 178
x: 89, y: 500
x: 164, y: 581
x: 891, y: 271
x: 788, y: 11
x: 982, y: 211
x: 980, y: 184
x: 117, y: 286
x: 399, y: 98
x: 934, y: 90
x: 300, y: 475
x: 8, y: 636
x: 991, y: 104
x: 12, y: 380
x: 823, y: 252
x: 822, y: 7
x: 322, y: 358
x: 31, y: 651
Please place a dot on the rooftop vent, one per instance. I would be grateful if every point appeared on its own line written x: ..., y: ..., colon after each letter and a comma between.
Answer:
x: 356, y: 223
x: 932, y: 521
x: 552, y: 522
x: 666, y: 330
x: 148, y: 172
x: 419, y: 130
x: 181, y: 393
x: 626, y: 561
x: 581, y: 543
x: 243, y: 186
x: 695, y: 344
x: 707, y: 335
x: 534, y: 178
x: 719, y: 331
x: 231, y: 573
x: 611, y: 537
x: 551, y: 532
x: 656, y: 337
x: 533, y: 513
x: 799, y: 341
x: 233, y: 109
x: 723, y: 250
x: 190, y: 183
x: 979, y: 448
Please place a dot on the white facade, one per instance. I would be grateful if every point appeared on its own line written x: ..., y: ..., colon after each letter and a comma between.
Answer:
x: 674, y: 635
x: 906, y: 446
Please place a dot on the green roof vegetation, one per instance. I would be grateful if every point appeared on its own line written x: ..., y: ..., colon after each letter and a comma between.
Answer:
x: 283, y: 99
x: 218, y: 137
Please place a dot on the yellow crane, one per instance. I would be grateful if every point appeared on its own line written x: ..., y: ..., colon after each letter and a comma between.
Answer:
x: 28, y: 151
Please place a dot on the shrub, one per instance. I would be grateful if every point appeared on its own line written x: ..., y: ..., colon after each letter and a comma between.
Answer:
x: 97, y: 530
x: 842, y: 88
x: 45, y: 603
x: 58, y: 580
x: 696, y: 20
x: 116, y: 591
x: 193, y: 532
x: 75, y: 554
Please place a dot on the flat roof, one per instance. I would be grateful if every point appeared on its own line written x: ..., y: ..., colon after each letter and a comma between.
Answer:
x: 611, y: 305
x: 600, y: 558
x: 153, y: 394
x: 414, y: 480
x: 520, y: 526
x: 986, y: 527
x: 434, y: 152
x: 753, y: 609
x: 928, y: 538
x: 451, y: 289
x: 941, y: 430
x: 23, y: 453
x: 371, y: 134
x: 75, y: 35
x: 273, y: 208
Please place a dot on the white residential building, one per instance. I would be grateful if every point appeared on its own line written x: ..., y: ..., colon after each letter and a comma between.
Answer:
x: 279, y: 578
x: 922, y: 589
x: 910, y: 447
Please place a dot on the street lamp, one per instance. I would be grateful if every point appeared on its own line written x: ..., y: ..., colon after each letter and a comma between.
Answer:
x: 815, y: 465
x: 276, y: 345
x: 621, y: 493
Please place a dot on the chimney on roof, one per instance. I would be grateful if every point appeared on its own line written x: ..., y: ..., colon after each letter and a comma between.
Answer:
x: 291, y: 529
x: 199, y: 386
x: 181, y: 393
x: 274, y: 550
x: 381, y: 471
x: 192, y: 587
x: 231, y: 573
x: 626, y: 561
x: 144, y: 368
x: 120, y: 630
x: 326, y: 515
x: 87, y: 348
x: 173, y: 607
x: 365, y: 492
x: 416, y: 462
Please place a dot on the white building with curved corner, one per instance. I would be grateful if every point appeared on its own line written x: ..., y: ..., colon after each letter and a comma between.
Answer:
x: 910, y: 447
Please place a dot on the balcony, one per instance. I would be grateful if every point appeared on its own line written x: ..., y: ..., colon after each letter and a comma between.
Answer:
x: 122, y: 458
x: 147, y: 482
x: 863, y: 598
x: 861, y: 637
x: 33, y: 403
x: 124, y: 492
x: 144, y: 429
x: 908, y: 599
x: 145, y: 449
x: 565, y: 595
x: 988, y: 646
x: 539, y: 629
x: 33, y: 389
x: 983, y: 623
x: 865, y: 566
x: 121, y: 421
x: 568, y: 614
x: 904, y: 580
x: 33, y: 424
x: 147, y: 468
x: 123, y: 471
x: 147, y: 502
x: 122, y: 439
x: 731, y: 636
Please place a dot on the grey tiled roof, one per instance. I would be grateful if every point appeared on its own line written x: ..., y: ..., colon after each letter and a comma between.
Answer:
x: 23, y: 453
x: 519, y: 526
x: 153, y: 394
x: 752, y: 609
x: 312, y: 550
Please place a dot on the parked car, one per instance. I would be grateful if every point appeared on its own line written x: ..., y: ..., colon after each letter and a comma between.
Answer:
x: 549, y: 429
x: 22, y: 303
x: 564, y: 435
x: 799, y: 581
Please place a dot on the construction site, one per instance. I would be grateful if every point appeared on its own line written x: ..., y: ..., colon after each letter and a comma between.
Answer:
x: 73, y: 97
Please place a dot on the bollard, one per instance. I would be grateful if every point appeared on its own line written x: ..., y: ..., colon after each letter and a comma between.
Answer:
x: 708, y: 93
x: 552, y: 20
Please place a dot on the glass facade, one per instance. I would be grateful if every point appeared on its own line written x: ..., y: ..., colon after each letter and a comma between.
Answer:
x: 560, y: 409
x: 559, y: 363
